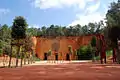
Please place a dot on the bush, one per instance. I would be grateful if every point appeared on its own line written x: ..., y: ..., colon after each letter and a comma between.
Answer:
x: 36, y: 58
x: 85, y: 53
x: 93, y: 42
x: 97, y: 58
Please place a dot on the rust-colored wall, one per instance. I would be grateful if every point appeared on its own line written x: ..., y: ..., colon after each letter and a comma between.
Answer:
x: 34, y: 39
x: 43, y: 45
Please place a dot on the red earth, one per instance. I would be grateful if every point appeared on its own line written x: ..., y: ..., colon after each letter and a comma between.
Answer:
x: 70, y: 71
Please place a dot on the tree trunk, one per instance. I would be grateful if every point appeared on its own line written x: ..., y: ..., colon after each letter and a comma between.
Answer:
x: 10, y: 58
x: 4, y: 61
x: 21, y: 59
x: 118, y: 56
x: 25, y: 59
x: 17, y: 55
x: 93, y: 56
x: 28, y: 59
x: 32, y: 57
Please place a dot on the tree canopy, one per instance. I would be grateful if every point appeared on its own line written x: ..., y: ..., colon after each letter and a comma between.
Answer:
x: 19, y: 28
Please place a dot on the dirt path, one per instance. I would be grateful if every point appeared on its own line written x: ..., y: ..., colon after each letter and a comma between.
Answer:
x: 65, y: 71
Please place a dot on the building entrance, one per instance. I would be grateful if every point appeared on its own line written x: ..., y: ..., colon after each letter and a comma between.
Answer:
x: 45, y: 56
x: 67, y: 57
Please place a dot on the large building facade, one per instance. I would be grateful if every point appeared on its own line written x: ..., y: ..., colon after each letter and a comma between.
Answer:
x: 59, y: 47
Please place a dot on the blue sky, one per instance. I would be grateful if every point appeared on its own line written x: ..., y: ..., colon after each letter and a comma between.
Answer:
x: 59, y: 12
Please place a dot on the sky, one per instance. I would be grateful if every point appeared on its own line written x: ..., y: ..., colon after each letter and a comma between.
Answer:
x: 40, y: 13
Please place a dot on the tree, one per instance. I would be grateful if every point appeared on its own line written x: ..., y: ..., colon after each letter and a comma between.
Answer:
x: 93, y: 44
x: 32, y: 31
x: 78, y: 30
x: 113, y: 24
x: 5, y: 39
x: 27, y: 49
x: 113, y: 14
x: 93, y: 41
x: 85, y: 29
x: 19, y: 32
x: 91, y: 28
x: 43, y: 31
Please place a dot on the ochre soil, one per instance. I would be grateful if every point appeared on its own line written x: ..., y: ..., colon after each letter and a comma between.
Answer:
x: 69, y: 71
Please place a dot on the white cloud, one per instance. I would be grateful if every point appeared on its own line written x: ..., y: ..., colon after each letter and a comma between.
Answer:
x: 46, y: 4
x: 90, y: 15
x: 4, y: 11
x: 34, y: 26
x: 85, y: 19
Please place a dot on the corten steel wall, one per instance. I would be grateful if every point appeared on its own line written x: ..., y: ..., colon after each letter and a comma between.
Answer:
x: 60, y: 44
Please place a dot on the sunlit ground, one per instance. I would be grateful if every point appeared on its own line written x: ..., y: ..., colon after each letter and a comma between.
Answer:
x: 65, y: 70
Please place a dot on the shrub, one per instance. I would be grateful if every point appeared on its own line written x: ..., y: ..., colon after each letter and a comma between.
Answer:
x: 84, y: 53
x: 36, y: 59
x: 93, y: 42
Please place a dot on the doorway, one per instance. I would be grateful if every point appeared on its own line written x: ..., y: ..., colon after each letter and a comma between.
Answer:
x: 56, y: 56
x: 45, y: 56
x: 67, y: 56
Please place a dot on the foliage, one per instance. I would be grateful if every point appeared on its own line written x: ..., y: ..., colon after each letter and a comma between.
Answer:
x: 113, y: 14
x: 19, y: 28
x: 49, y: 52
x: 93, y: 41
x: 109, y: 53
x: 5, y: 39
x: 114, y: 34
x: 36, y: 59
x: 85, y: 52
x: 28, y: 44
x: 113, y: 22
x: 32, y: 31
x: 70, y: 49
x: 77, y: 30
x: 18, y: 33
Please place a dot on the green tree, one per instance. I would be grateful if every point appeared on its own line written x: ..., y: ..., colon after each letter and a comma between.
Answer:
x: 32, y: 31
x: 5, y: 39
x: 113, y: 24
x: 91, y: 28
x: 27, y: 49
x: 113, y: 14
x: 78, y: 30
x: 93, y: 44
x: 85, y: 29
x: 19, y: 32
x: 43, y: 31
x: 93, y: 41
